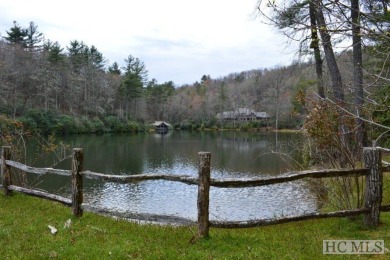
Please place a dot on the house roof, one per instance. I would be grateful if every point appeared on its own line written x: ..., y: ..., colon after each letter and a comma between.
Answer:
x: 262, y: 115
x: 238, y: 112
x: 245, y: 111
x: 159, y: 123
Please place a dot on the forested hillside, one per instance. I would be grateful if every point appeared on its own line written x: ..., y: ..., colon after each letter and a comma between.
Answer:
x: 73, y: 88
x: 65, y: 89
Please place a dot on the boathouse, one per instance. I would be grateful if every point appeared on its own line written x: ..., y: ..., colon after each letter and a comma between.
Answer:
x: 161, y: 126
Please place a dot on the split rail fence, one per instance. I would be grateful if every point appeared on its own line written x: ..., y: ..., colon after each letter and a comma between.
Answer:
x: 373, y: 171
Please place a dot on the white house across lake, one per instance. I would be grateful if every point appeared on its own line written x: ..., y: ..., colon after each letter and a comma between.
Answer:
x: 243, y: 114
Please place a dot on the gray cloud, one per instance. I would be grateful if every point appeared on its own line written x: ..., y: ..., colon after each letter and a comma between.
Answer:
x: 174, y: 43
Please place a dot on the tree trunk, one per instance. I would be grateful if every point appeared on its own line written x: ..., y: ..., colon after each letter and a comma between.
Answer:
x: 135, y: 108
x: 334, y: 71
x: 15, y: 103
x: 358, y: 72
x: 317, y: 53
x: 277, y: 111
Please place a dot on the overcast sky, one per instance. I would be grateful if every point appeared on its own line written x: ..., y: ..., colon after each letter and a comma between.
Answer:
x: 178, y: 40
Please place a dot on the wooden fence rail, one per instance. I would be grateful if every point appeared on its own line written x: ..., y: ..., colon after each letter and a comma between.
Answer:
x: 372, y: 198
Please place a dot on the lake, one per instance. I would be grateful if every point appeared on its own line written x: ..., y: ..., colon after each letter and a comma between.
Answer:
x: 233, y: 154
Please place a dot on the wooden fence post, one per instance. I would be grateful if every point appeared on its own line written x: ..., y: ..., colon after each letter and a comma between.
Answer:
x: 374, y: 183
x: 77, y: 181
x: 203, y: 194
x: 5, y: 169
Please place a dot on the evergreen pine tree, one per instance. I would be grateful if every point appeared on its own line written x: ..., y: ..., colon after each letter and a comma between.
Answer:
x: 34, y: 38
x: 114, y: 69
x: 16, y: 35
x: 54, y: 51
x: 133, y: 81
x: 96, y: 58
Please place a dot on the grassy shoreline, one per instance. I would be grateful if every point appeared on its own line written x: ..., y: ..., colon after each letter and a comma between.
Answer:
x: 24, y: 234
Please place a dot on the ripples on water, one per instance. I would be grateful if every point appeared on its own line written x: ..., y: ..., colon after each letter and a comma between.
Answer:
x: 178, y: 199
x: 234, y: 155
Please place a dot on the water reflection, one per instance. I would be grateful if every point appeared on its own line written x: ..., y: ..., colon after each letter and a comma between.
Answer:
x: 234, y: 154
x: 165, y: 198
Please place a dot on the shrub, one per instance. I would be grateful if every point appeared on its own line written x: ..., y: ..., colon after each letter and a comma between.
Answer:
x: 186, y: 125
x: 98, y: 125
x: 229, y: 125
x: 333, y: 147
x: 83, y: 124
x: 209, y: 123
x: 45, y: 120
x: 133, y: 126
x: 28, y: 124
x: 195, y: 126
x: 6, y: 110
x: 65, y: 125
x: 245, y: 126
x: 176, y: 126
x: 115, y: 124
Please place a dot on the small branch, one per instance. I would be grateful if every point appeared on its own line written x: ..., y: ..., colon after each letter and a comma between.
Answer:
x: 358, y: 117
x: 379, y: 137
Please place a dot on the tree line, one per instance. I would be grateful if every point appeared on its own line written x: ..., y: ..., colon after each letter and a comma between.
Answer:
x: 42, y: 80
x: 74, y: 87
x: 75, y: 80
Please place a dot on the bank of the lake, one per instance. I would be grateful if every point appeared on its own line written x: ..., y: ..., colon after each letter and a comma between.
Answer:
x: 24, y: 234
x: 49, y: 122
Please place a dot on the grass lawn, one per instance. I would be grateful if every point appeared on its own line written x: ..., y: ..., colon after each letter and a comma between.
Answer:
x: 24, y: 234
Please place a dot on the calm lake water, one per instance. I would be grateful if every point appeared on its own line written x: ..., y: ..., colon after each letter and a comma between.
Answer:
x: 233, y: 154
